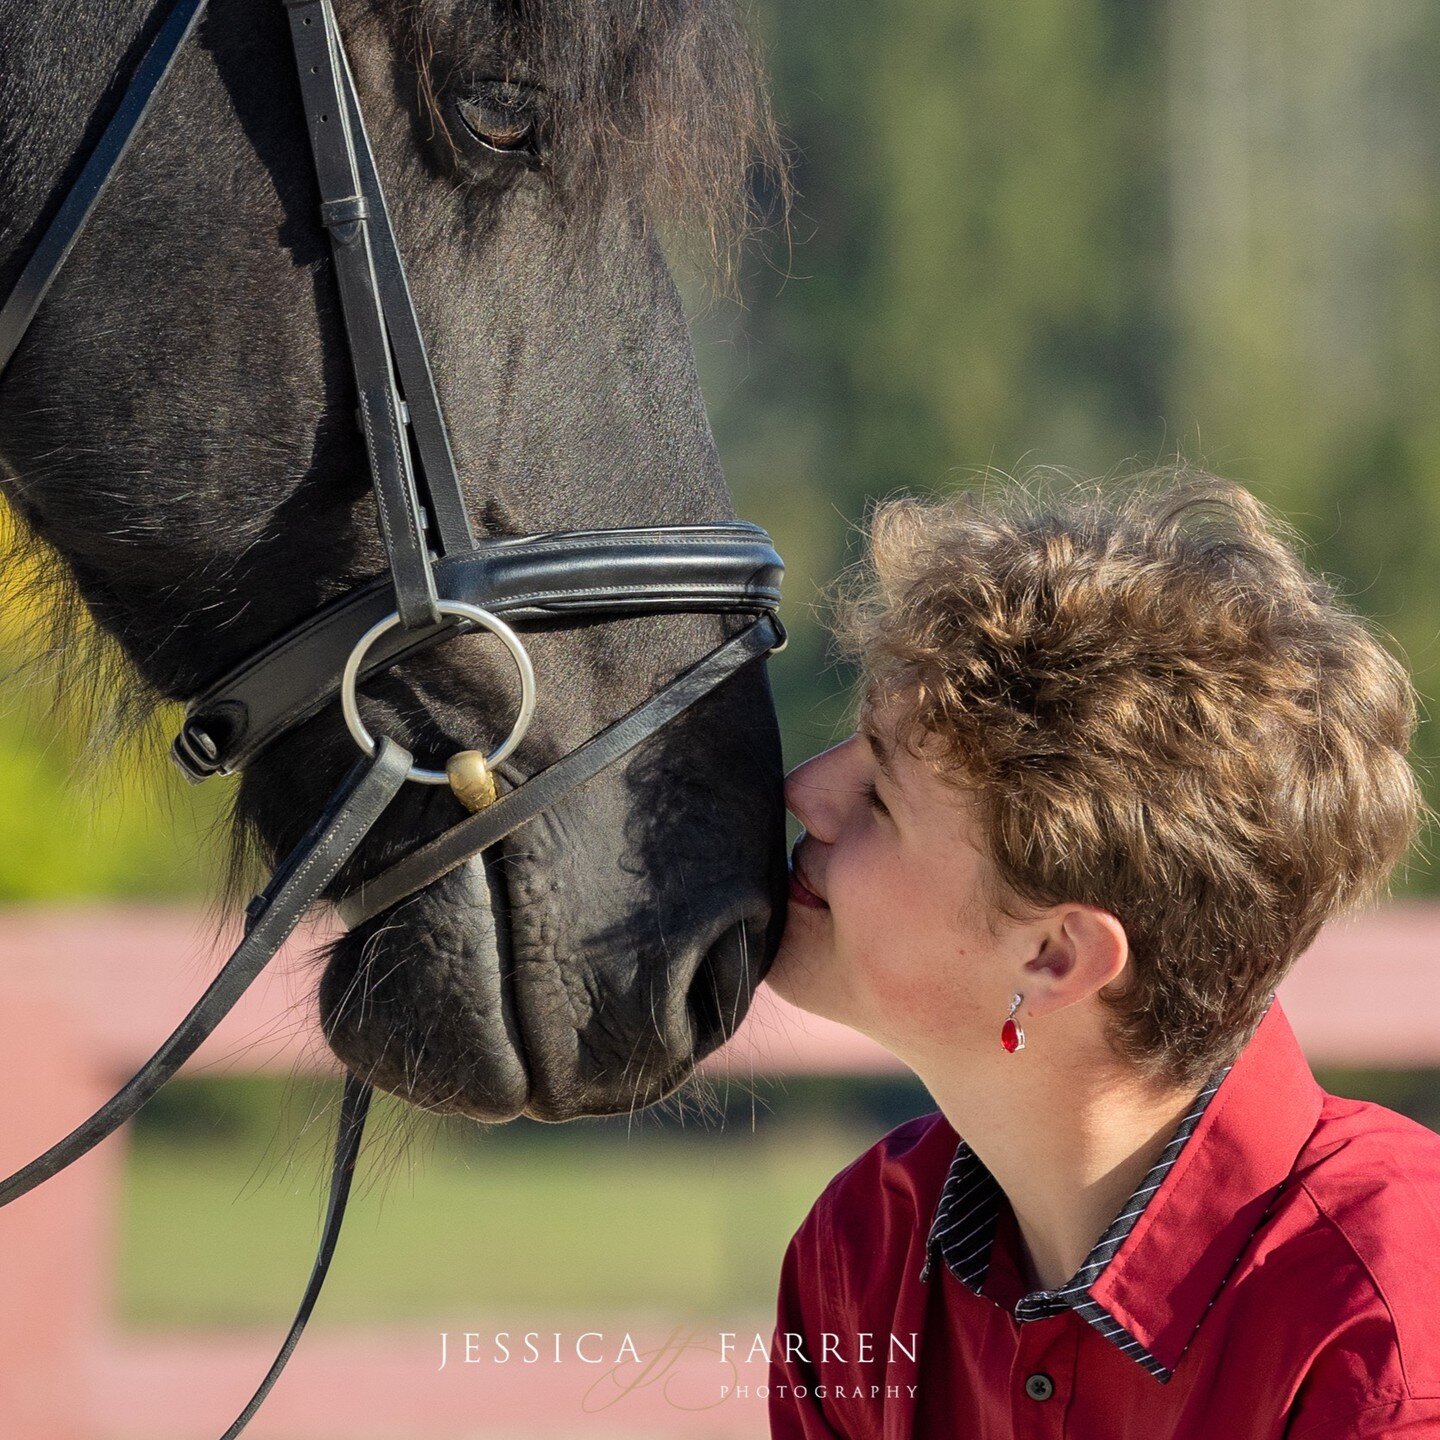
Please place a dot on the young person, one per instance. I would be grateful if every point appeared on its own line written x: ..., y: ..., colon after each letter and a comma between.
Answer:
x: 1118, y: 759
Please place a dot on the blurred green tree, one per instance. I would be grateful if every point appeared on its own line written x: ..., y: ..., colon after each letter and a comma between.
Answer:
x: 1091, y: 234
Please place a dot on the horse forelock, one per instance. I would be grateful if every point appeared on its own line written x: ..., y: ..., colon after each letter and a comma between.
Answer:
x: 664, y: 101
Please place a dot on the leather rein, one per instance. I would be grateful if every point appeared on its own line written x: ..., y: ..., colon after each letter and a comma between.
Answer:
x: 442, y: 582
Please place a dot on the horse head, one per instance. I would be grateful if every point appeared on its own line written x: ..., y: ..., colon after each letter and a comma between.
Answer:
x: 179, y: 429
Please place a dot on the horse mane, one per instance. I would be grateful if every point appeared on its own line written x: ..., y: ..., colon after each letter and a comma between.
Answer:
x: 662, y: 100
x: 47, y: 638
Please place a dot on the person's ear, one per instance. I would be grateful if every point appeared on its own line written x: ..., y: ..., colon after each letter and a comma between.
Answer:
x: 1082, y: 950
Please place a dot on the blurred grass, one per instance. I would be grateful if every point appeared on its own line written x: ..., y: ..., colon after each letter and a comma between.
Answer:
x: 526, y: 1222
x: 219, y: 1229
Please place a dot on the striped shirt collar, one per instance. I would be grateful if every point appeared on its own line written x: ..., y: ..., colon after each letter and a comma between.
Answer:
x: 966, y: 1217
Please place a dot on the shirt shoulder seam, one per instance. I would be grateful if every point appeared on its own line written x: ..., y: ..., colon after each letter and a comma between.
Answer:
x: 829, y: 1260
x: 828, y: 1202
x: 1376, y: 1400
x: 1375, y: 1285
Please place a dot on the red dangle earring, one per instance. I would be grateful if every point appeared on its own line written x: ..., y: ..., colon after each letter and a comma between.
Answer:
x: 1012, y: 1037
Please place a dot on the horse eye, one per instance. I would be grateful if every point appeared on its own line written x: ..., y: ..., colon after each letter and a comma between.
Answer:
x: 500, y: 115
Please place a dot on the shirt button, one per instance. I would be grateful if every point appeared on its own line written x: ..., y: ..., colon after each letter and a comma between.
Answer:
x: 1040, y: 1386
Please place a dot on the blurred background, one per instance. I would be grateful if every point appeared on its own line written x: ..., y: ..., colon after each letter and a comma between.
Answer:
x: 1084, y: 233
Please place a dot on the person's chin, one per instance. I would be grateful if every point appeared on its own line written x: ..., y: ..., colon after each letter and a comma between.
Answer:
x: 798, y: 976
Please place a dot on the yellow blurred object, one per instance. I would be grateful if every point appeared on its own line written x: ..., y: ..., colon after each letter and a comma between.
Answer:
x: 88, y: 806
x: 24, y: 603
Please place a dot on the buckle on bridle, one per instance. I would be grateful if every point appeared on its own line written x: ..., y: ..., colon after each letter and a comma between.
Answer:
x: 196, y: 752
x: 342, y: 218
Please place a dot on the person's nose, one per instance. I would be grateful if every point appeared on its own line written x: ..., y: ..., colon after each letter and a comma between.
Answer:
x: 820, y: 793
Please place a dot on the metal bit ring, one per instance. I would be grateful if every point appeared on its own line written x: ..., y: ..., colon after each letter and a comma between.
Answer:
x: 350, y: 708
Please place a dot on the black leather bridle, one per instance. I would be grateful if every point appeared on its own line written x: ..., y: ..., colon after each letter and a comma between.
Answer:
x: 442, y: 583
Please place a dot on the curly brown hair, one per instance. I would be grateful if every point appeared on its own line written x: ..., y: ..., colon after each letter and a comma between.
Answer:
x: 1158, y: 711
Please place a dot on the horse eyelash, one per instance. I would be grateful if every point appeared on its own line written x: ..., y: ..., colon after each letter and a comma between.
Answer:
x: 873, y: 800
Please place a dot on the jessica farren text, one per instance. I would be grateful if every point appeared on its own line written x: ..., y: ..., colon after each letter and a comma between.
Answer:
x: 595, y: 1347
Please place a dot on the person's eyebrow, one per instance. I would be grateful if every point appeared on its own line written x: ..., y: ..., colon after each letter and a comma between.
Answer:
x: 883, y: 757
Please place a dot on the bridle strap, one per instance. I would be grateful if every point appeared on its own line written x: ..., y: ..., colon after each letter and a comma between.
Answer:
x: 345, y: 210
x: 295, y: 886
x: 61, y: 234
x: 543, y: 789
x: 299, y: 882
x: 571, y: 578
x: 437, y: 475
x: 368, y: 264
x: 354, y: 1107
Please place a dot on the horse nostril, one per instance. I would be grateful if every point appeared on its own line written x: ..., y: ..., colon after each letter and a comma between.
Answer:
x: 702, y: 1008
x: 718, y: 996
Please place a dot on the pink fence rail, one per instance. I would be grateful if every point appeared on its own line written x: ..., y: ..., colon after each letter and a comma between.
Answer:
x: 86, y: 994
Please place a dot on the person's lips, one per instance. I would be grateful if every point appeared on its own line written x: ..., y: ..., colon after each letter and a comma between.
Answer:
x: 800, y: 892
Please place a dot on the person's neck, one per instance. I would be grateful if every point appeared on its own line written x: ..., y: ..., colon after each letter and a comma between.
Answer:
x: 1067, y: 1146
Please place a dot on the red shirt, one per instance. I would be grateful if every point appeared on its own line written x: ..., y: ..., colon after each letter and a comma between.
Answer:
x: 1285, y: 1275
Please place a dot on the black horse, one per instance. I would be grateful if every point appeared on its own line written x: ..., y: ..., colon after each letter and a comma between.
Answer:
x: 178, y: 429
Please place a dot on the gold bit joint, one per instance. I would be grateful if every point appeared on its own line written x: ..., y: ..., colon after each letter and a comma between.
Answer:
x: 471, y: 779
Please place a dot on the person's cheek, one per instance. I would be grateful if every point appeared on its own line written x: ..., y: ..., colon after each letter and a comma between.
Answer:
x: 913, y: 984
